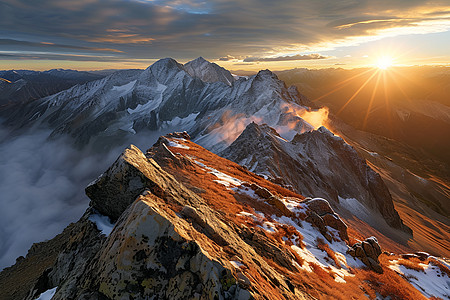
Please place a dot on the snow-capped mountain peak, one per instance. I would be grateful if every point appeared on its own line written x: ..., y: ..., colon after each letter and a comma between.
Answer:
x: 208, y: 72
x: 164, y: 95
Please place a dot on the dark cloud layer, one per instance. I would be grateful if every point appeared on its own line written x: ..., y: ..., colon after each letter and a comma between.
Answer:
x: 214, y: 29
x: 12, y: 42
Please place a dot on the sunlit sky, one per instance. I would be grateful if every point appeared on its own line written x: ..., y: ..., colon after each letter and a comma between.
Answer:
x: 236, y: 34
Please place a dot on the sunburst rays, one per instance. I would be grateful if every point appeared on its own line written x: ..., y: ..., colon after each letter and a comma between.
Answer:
x: 380, y: 80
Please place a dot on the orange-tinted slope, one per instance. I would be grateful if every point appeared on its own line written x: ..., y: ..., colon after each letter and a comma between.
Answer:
x: 225, y: 186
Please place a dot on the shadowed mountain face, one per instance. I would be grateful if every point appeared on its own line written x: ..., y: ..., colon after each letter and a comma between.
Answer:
x: 21, y: 86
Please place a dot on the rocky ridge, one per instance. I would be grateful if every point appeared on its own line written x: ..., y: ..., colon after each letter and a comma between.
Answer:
x: 316, y: 164
x: 189, y: 224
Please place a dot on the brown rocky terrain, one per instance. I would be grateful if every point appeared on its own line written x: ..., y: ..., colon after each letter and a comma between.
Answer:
x: 192, y: 225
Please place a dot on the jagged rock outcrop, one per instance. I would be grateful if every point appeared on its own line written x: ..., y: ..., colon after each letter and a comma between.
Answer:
x: 73, y: 261
x: 368, y: 252
x: 157, y: 254
x: 315, y: 164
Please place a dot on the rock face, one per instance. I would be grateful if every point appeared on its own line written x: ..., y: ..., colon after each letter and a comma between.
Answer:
x: 368, y: 252
x: 315, y: 164
x: 156, y: 256
x: 127, y: 178
x: 208, y: 72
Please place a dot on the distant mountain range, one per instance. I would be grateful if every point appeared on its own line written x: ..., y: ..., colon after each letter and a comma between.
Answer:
x: 19, y: 86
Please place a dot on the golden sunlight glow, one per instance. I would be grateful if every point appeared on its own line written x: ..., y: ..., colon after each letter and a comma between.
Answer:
x: 384, y: 62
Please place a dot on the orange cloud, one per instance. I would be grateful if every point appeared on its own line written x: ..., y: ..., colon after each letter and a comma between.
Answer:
x: 121, y: 38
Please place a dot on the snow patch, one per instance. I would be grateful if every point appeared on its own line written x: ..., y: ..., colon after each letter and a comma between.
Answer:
x: 224, y: 179
x: 431, y: 282
x: 151, y: 104
x: 48, y: 294
x: 236, y: 264
x: 124, y: 89
x: 268, y: 226
x: 293, y: 205
x: 102, y: 222
x: 177, y: 145
x: 245, y: 214
x: 246, y: 191
x: 313, y: 255
x: 177, y: 122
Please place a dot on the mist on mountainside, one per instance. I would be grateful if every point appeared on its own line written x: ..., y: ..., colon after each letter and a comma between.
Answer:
x: 42, y: 186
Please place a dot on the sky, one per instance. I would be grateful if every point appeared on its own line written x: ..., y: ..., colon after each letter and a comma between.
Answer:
x: 236, y: 34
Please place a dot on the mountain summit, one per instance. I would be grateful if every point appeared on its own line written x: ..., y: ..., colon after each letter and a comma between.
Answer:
x: 208, y: 72
x: 317, y: 164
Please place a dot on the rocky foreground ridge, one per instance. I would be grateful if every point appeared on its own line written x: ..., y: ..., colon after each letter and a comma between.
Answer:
x: 179, y: 222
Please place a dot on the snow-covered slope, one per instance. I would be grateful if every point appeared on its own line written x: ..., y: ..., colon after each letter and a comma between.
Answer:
x: 208, y: 72
x: 201, y: 96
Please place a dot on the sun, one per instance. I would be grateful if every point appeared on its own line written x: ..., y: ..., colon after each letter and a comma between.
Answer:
x: 384, y: 62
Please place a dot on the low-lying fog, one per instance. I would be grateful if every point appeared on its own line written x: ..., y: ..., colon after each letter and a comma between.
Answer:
x: 42, y: 186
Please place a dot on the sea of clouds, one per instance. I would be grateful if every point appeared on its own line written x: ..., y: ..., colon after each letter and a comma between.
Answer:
x: 42, y: 186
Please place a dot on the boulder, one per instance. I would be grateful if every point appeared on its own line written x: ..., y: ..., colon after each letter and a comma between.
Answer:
x: 320, y: 214
x: 335, y: 222
x: 261, y: 191
x: 179, y: 135
x: 422, y: 255
x: 319, y: 205
x: 274, y: 201
x: 368, y: 252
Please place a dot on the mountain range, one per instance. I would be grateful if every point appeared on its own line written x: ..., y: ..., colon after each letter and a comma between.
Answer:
x: 188, y: 223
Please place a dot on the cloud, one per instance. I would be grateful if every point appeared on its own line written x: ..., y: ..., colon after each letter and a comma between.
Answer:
x: 12, y: 42
x: 42, y: 184
x: 227, y: 58
x: 185, y: 29
x: 288, y: 58
x: 18, y: 55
